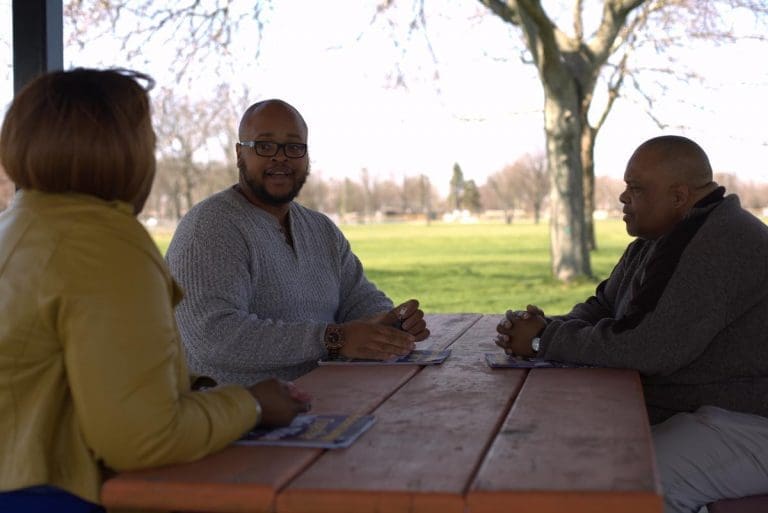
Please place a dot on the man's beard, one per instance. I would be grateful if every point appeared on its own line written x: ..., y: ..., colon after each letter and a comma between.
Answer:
x: 261, y: 192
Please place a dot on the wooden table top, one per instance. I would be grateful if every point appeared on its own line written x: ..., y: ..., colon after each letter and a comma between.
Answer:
x: 448, y: 438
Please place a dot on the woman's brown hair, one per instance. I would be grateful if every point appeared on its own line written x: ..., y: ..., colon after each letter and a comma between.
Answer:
x: 87, y: 131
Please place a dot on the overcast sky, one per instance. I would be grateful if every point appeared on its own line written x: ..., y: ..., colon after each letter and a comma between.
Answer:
x: 483, y: 112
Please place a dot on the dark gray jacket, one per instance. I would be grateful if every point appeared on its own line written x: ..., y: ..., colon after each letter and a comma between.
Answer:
x: 689, y: 311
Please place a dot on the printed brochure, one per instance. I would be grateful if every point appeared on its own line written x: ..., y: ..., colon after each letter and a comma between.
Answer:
x: 501, y: 360
x: 321, y: 431
x: 415, y: 357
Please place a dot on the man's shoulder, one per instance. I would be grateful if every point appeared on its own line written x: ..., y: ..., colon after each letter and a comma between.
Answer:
x: 222, y: 201
x: 311, y: 215
x: 303, y: 210
x: 215, y: 210
x: 217, y: 217
x: 733, y: 220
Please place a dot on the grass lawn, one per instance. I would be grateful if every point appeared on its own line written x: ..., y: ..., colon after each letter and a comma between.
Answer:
x: 486, y: 268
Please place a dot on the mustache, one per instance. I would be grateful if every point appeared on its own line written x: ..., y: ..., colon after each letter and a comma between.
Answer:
x: 241, y: 167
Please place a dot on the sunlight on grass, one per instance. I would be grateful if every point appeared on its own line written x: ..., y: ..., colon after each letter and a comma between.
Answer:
x: 484, y: 268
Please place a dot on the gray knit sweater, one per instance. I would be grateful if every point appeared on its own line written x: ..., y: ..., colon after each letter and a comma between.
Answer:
x: 254, y: 307
x: 699, y: 336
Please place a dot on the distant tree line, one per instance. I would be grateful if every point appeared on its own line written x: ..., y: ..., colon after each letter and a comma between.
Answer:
x: 520, y: 188
x: 195, y: 158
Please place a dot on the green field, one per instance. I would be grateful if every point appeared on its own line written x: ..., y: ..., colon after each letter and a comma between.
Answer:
x: 485, y: 268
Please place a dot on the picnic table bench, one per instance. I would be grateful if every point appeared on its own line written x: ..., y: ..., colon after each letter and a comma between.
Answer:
x: 456, y: 437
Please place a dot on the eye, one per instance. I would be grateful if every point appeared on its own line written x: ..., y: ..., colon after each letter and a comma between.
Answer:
x: 265, y: 146
x: 295, y: 148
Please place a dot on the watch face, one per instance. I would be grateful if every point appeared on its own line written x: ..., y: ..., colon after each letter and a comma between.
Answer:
x: 334, y: 339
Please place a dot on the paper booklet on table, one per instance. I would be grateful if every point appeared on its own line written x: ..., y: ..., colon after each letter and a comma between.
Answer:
x: 320, y: 431
x: 501, y: 360
x: 415, y: 357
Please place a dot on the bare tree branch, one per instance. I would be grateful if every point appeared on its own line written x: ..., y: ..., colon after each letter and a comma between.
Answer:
x: 199, y: 31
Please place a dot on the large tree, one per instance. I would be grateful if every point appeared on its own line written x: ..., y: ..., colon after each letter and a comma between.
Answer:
x: 570, y: 65
x: 586, y: 54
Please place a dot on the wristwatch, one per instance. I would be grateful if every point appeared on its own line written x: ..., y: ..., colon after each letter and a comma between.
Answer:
x: 536, y: 341
x: 334, y: 340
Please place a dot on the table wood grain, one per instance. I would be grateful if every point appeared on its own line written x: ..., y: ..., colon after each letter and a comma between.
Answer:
x: 457, y: 437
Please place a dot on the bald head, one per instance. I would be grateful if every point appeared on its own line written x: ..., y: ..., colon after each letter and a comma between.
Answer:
x: 679, y: 159
x: 263, y: 106
x: 666, y: 176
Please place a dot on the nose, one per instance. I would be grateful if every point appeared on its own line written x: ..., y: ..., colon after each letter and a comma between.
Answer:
x: 280, y: 155
x: 624, y: 197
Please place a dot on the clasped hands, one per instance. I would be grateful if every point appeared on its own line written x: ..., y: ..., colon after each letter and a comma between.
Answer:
x: 386, y: 335
x: 517, y: 330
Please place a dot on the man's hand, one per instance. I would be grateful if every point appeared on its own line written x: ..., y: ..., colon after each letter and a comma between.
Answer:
x: 534, y: 310
x: 367, y: 339
x: 280, y: 401
x: 518, y: 329
x: 407, y: 317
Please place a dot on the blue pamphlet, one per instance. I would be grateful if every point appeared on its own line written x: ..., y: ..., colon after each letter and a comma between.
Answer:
x: 320, y: 431
x: 501, y: 360
x: 415, y: 357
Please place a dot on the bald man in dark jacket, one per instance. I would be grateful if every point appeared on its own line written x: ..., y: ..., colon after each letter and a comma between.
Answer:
x: 686, y: 306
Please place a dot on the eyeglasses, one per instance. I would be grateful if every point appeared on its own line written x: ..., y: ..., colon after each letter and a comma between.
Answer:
x: 270, y: 149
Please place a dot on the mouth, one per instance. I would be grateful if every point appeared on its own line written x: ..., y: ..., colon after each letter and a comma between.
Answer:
x: 279, y: 172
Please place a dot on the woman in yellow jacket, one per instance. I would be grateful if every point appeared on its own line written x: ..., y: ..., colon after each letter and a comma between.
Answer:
x: 92, y: 373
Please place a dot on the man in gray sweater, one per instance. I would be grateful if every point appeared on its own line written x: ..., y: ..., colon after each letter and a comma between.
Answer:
x: 270, y: 286
x: 686, y: 306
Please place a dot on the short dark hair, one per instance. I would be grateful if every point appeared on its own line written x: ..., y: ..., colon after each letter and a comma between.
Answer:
x: 86, y: 131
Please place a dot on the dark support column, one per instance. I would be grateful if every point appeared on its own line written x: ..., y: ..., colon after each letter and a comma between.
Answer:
x: 38, y: 39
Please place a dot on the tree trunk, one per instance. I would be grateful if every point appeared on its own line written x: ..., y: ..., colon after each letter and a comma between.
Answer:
x: 588, y: 163
x: 188, y: 190
x: 569, y: 253
x: 177, y: 201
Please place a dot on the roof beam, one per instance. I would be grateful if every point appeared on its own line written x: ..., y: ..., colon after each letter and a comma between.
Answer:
x: 38, y: 39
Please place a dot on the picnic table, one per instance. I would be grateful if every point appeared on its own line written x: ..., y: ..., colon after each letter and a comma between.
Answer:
x: 456, y: 437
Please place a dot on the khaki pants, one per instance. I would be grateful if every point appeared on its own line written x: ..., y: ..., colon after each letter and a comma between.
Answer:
x: 710, y: 454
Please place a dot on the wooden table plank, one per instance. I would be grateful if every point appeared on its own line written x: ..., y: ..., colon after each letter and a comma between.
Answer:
x: 246, y: 479
x: 211, y: 484
x: 446, y: 328
x: 428, y: 440
x: 605, y: 429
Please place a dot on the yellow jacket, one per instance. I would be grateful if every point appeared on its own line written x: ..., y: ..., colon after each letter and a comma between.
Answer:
x: 92, y: 372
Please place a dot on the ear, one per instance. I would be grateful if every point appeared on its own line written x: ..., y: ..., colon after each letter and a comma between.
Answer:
x: 680, y: 195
